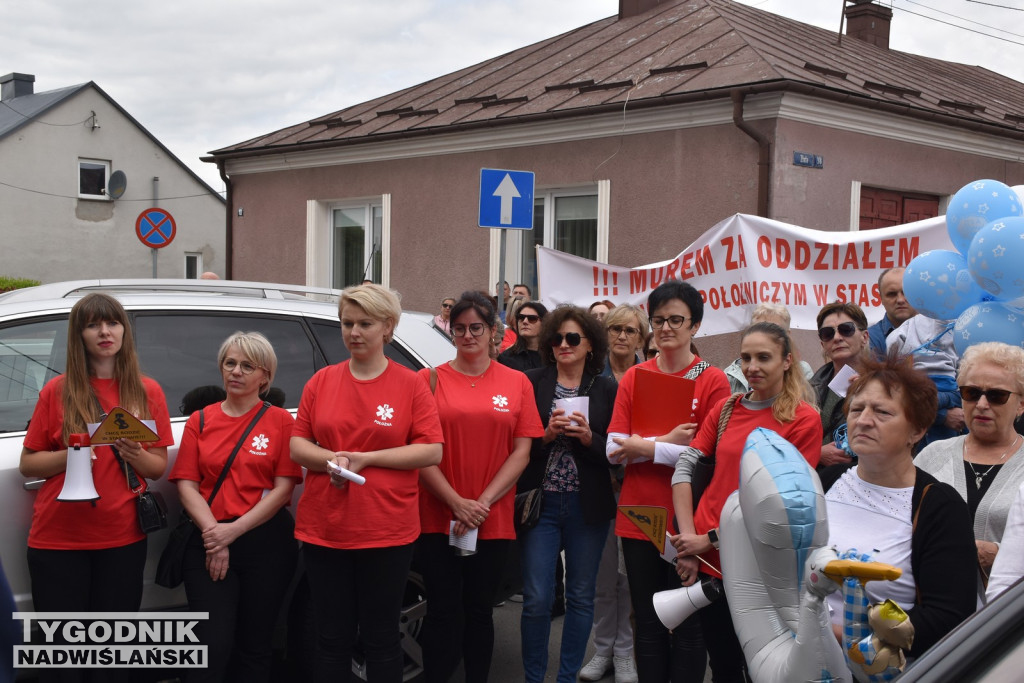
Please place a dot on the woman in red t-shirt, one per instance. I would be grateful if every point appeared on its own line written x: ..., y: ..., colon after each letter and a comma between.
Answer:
x: 239, y: 567
x: 676, y: 312
x: 89, y: 556
x: 376, y: 418
x: 489, y: 419
x: 778, y: 400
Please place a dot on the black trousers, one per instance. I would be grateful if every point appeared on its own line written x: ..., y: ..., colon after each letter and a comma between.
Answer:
x: 724, y: 649
x: 245, y: 604
x: 459, y: 624
x: 108, y: 580
x: 357, y: 593
x: 677, y: 656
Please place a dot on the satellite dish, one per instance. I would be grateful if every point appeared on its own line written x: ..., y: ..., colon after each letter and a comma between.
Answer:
x: 117, y: 184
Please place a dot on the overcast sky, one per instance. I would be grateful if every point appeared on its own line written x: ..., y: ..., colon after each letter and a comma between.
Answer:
x: 205, y: 74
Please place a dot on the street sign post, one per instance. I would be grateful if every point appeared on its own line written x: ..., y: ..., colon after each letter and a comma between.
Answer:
x: 506, y: 199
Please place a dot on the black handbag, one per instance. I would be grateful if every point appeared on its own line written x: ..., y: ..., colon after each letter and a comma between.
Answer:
x: 150, y: 508
x: 170, y: 569
x: 527, y: 509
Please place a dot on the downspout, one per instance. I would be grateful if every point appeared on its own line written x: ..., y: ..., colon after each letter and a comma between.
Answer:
x: 764, y: 154
x: 229, y: 221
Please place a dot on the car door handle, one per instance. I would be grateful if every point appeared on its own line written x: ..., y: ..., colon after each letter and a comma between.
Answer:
x: 34, y: 485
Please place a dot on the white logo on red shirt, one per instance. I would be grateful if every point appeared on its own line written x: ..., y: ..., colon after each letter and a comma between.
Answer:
x: 384, y: 412
x: 500, y: 402
x: 259, y: 444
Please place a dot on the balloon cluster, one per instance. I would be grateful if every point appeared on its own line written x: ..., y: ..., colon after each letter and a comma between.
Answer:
x: 978, y: 286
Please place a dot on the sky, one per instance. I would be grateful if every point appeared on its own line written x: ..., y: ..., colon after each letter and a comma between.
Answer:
x: 201, y: 75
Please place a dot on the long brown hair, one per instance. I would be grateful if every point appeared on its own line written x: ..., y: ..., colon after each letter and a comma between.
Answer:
x: 80, y: 407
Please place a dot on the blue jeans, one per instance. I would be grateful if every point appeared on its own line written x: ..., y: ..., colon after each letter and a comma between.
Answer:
x: 561, y: 526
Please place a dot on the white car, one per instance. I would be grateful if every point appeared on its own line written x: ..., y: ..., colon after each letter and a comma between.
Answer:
x: 179, y: 326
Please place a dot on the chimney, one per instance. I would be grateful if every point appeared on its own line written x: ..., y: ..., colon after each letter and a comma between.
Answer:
x: 869, y: 22
x: 16, y: 85
x: 630, y: 8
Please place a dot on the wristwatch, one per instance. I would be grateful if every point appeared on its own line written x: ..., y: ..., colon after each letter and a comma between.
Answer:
x: 713, y: 537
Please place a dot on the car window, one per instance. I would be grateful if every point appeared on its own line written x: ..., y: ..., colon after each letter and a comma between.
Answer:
x: 328, y: 334
x: 180, y: 352
x: 31, y: 354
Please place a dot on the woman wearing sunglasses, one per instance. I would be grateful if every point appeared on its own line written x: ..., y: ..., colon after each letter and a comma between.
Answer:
x: 842, y: 329
x: 489, y: 418
x: 523, y: 355
x: 985, y: 466
x: 568, y: 464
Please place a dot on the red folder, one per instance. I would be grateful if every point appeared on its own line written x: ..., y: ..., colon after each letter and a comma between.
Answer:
x: 660, y: 402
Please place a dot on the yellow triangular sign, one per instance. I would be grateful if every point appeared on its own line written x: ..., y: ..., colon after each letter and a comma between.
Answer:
x: 650, y: 519
x: 120, y: 424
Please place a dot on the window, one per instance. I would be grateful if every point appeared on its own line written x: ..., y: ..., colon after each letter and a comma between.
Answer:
x: 566, y: 220
x: 356, y: 244
x: 92, y: 179
x: 193, y: 265
x: 30, y: 355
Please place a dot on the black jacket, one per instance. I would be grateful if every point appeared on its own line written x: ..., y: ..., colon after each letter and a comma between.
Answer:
x: 596, y: 496
x: 522, y: 360
x: 942, y: 555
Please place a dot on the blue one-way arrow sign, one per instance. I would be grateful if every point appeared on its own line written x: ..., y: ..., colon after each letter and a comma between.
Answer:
x: 506, y: 199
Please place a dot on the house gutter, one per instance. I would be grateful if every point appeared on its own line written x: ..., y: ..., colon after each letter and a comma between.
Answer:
x: 764, y: 152
x: 229, y: 217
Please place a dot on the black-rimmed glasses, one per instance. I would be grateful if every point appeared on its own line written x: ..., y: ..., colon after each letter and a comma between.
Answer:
x: 475, y: 329
x: 996, y: 397
x: 846, y: 329
x: 570, y: 338
x: 674, y: 322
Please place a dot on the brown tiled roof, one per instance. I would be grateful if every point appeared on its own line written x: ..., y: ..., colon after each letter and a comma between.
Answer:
x: 678, y: 51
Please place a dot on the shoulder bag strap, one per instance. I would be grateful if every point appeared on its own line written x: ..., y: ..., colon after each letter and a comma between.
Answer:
x: 695, y: 371
x: 723, y: 418
x: 238, y: 447
x: 134, y: 484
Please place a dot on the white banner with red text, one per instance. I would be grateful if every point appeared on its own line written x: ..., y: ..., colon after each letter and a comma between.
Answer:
x: 746, y: 260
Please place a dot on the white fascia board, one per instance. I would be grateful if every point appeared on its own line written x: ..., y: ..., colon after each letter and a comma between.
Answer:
x: 785, y: 106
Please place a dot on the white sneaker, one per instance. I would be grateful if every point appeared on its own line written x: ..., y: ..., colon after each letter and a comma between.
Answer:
x: 596, y: 668
x: 625, y: 670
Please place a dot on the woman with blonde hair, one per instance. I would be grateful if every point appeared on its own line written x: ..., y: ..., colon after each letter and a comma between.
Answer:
x: 373, y: 417
x: 86, y: 557
x: 777, y: 400
x: 239, y: 564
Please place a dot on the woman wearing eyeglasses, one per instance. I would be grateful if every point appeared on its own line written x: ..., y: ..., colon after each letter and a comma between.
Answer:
x: 842, y: 329
x: 524, y: 355
x: 676, y: 313
x: 627, y: 327
x: 489, y: 418
x: 985, y: 466
x: 568, y: 464
x: 241, y: 560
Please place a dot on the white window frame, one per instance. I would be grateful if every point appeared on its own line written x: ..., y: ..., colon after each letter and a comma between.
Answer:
x: 320, y: 240
x: 516, y: 239
x: 106, y: 179
x: 197, y: 256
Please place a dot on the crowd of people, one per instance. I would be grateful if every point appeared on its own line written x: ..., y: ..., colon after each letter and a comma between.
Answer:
x: 544, y: 404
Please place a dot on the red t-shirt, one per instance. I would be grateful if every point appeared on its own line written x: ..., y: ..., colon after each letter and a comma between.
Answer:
x: 804, y: 432
x: 264, y: 455
x: 480, y: 424
x: 111, y: 522
x: 647, y: 483
x: 342, y: 413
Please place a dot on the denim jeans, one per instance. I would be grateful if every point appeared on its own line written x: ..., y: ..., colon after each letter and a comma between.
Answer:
x: 561, y: 526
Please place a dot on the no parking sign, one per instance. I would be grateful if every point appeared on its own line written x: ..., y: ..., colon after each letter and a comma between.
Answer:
x: 155, y: 228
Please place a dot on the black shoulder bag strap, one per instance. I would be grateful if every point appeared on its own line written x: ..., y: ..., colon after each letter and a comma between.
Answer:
x: 238, y: 447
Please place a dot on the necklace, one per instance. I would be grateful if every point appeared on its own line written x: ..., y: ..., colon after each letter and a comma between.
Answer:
x: 473, y: 379
x: 978, y: 478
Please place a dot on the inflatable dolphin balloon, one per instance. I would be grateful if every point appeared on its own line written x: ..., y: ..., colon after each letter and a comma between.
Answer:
x: 777, y: 570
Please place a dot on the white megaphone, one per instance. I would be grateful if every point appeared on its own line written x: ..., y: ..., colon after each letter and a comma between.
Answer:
x: 673, y: 607
x: 78, y: 485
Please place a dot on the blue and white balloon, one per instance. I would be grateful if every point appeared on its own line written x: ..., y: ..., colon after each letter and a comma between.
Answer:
x: 976, y: 204
x: 939, y: 285
x: 996, y: 257
x: 989, y: 321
